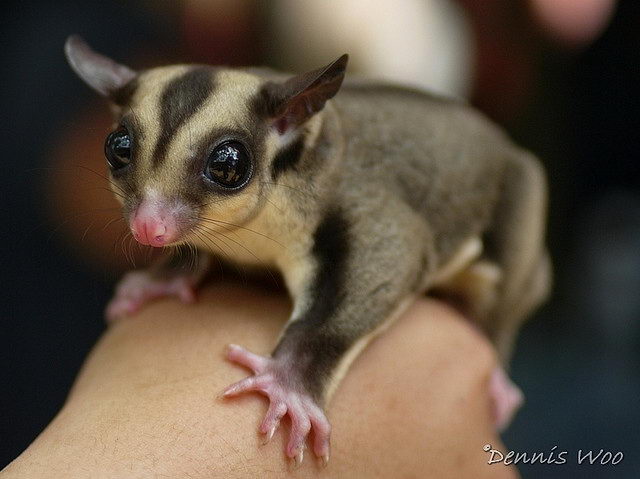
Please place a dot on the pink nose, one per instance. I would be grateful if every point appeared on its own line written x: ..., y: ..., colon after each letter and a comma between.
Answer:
x: 153, y: 225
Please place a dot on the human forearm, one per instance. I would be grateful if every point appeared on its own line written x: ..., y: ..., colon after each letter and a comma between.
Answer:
x: 146, y: 401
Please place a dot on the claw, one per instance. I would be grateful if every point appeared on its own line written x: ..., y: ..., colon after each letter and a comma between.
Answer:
x: 299, y: 458
x: 322, y: 450
x: 272, y: 420
x: 269, y: 435
x: 322, y: 432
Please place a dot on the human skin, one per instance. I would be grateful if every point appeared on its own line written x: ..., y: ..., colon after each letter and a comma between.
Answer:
x: 146, y: 403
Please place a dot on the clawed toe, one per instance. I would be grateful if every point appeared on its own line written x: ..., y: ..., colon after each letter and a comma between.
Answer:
x: 271, y: 421
x: 239, y: 355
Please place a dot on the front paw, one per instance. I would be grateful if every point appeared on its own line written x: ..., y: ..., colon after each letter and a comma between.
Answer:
x: 139, y: 287
x: 273, y: 379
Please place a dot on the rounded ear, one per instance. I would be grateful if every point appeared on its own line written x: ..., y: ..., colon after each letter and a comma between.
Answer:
x: 99, y: 72
x: 291, y: 103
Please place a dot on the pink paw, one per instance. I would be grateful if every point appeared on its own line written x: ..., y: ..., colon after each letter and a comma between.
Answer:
x: 140, y: 287
x: 271, y: 378
x: 507, y: 398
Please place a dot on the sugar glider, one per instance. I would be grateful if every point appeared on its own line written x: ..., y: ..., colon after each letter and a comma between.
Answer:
x: 363, y: 195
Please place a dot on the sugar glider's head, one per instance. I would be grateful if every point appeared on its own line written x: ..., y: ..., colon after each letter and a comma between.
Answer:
x: 193, y: 146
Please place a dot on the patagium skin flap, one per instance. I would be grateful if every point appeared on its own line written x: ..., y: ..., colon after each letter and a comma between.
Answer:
x: 362, y: 195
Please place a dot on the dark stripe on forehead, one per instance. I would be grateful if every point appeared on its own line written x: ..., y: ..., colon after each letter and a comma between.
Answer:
x: 180, y: 100
x: 287, y: 158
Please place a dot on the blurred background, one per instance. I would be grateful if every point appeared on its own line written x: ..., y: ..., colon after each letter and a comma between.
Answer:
x: 562, y: 76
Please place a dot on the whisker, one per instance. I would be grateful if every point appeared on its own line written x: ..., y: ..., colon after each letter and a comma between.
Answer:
x: 136, y: 117
x: 274, y: 205
x: 121, y: 242
x: 180, y: 251
x: 204, y: 235
x: 72, y: 218
x: 84, y: 235
x: 287, y: 186
x: 100, y: 176
x: 131, y: 251
x: 222, y: 200
x: 206, y: 231
x: 222, y: 223
x: 205, y: 238
x: 194, y: 256
x: 109, y: 223
x: 211, y: 203
x: 117, y: 193
x: 264, y: 265
x: 117, y: 241
x: 207, y: 220
x: 125, y: 252
x: 148, y: 255
x: 59, y: 169
x: 198, y: 235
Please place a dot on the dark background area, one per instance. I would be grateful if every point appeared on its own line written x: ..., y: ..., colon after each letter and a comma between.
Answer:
x: 578, y: 360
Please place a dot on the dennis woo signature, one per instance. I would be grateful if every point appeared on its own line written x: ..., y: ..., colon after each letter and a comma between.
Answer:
x: 553, y: 456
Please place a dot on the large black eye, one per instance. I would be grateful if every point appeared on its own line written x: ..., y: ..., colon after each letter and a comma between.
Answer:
x: 117, y: 148
x: 229, y: 165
